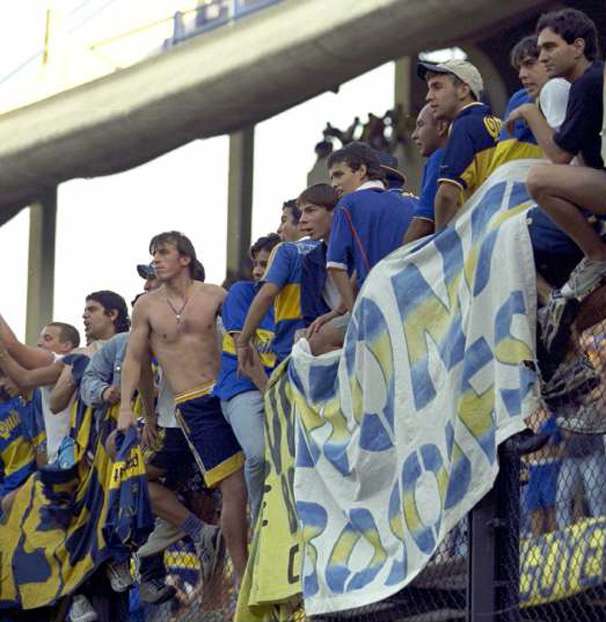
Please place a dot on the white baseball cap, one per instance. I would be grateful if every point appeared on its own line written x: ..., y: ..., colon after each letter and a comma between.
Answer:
x: 462, y: 69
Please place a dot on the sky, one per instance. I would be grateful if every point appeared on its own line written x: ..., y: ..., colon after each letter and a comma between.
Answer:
x: 104, y: 224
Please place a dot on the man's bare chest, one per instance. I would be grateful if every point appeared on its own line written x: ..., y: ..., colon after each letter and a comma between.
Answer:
x: 170, y: 326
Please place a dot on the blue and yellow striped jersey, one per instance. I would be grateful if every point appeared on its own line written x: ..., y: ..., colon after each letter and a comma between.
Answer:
x: 17, y: 453
x: 285, y: 269
x: 470, y: 149
x: 233, y: 313
x: 519, y: 145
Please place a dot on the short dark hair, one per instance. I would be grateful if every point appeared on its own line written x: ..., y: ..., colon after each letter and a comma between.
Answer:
x: 572, y: 24
x: 356, y: 154
x: 522, y: 49
x: 111, y: 301
x: 323, y: 195
x: 264, y: 243
x: 295, y: 212
x: 67, y: 332
x: 184, y: 247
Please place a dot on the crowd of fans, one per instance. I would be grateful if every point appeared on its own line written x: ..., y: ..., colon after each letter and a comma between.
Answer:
x: 197, y: 358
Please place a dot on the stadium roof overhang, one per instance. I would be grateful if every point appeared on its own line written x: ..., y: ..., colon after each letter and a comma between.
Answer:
x: 220, y: 82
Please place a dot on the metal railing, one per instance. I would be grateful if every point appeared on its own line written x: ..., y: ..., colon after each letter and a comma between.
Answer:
x: 183, y: 24
x: 211, y: 15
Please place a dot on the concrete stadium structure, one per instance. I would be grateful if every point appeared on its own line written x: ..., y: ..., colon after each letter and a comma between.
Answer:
x: 225, y: 81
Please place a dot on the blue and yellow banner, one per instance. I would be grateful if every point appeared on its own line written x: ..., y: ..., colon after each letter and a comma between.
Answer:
x: 563, y: 563
x: 18, y: 442
x: 553, y: 567
x: 53, y: 538
x: 397, y: 434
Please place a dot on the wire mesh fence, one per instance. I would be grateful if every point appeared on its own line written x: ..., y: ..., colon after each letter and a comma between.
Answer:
x: 438, y: 594
x: 563, y: 496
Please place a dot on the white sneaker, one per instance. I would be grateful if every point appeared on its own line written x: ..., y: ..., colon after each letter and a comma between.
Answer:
x: 586, y: 277
x: 81, y: 610
x: 119, y: 576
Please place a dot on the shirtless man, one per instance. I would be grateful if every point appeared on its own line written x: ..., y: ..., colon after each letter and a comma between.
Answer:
x: 177, y: 322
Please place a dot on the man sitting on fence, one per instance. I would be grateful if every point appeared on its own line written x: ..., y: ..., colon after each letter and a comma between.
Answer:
x: 453, y: 93
x: 567, y: 40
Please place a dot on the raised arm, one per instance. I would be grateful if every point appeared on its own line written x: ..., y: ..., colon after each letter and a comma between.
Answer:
x: 27, y: 356
x: 136, y: 355
x: 29, y: 378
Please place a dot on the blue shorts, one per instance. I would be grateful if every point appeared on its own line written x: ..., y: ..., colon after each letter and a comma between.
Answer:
x: 172, y: 455
x: 210, y: 438
x: 555, y: 254
x: 542, y: 485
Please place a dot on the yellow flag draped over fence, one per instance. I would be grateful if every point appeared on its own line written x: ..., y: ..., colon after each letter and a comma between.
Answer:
x: 271, y: 587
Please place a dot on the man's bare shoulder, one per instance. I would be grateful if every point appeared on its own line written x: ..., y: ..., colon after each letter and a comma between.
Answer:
x: 210, y: 290
x: 146, y: 302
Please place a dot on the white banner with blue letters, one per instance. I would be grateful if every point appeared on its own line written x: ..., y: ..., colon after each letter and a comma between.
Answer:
x: 397, y: 433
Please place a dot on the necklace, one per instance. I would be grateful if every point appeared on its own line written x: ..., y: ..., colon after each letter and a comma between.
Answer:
x: 178, y: 313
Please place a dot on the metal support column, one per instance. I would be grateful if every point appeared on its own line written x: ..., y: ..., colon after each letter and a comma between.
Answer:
x: 239, y: 209
x: 481, y: 561
x: 494, y: 545
x: 41, y: 264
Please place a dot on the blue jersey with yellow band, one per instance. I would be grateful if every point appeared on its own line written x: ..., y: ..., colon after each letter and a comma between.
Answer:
x: 470, y: 149
x: 521, y: 143
x: 547, y: 239
x: 17, y: 452
x: 285, y: 269
x: 521, y: 130
x: 233, y: 313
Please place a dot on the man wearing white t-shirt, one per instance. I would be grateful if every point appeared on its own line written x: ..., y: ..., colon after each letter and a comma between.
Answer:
x: 553, y: 101
x: 568, y: 44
